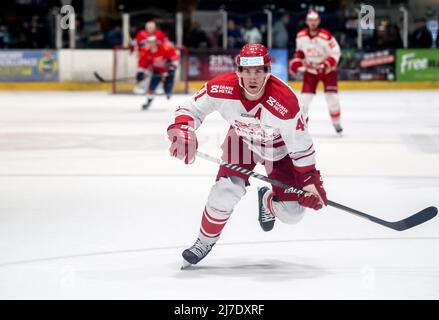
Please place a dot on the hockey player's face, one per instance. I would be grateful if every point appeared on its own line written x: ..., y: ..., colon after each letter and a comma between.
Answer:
x: 253, y: 78
x: 150, y: 26
x: 313, y: 24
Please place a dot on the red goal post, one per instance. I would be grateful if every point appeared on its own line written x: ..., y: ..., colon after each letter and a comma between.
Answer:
x: 125, y: 69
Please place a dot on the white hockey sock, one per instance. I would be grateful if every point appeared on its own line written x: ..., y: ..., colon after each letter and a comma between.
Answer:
x: 306, y: 99
x: 333, y: 106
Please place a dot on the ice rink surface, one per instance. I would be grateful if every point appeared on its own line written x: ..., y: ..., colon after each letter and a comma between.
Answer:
x: 92, y: 206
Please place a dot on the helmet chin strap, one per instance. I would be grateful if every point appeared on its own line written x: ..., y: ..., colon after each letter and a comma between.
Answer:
x: 260, y: 90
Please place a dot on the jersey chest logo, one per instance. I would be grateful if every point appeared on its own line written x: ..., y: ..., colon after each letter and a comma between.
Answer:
x: 277, y: 106
x: 271, y: 101
x: 221, y: 89
x: 256, y: 131
x: 313, y: 52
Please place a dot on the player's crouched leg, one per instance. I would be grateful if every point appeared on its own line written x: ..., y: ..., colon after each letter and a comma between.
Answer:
x: 289, y: 212
x: 225, y: 194
x: 223, y: 197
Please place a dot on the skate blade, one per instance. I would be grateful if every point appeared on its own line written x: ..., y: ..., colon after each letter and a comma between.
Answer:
x: 185, y: 265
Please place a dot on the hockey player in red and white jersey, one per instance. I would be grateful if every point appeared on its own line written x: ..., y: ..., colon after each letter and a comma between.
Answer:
x: 267, y: 126
x: 141, y: 43
x: 317, y: 54
x: 161, y: 61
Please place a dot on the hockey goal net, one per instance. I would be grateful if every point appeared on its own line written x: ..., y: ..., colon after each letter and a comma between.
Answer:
x: 125, y: 69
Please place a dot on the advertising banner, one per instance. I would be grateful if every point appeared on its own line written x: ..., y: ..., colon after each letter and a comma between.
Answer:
x: 29, y: 66
x: 417, y: 65
x: 279, y: 63
x: 374, y: 65
x: 206, y: 64
x: 364, y: 65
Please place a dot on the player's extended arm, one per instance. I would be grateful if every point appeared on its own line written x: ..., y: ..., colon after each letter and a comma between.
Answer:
x: 184, y: 142
x: 296, y: 64
x: 188, y: 117
x: 301, y: 150
x: 310, y: 180
x: 171, y: 63
x: 333, y: 55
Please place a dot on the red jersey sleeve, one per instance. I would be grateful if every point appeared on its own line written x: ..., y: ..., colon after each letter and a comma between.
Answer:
x: 172, y: 54
x: 141, y: 37
x: 297, y: 61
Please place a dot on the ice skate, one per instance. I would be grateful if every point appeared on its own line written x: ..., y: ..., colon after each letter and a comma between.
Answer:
x: 338, y: 128
x: 266, y: 219
x: 196, y: 253
x: 147, y: 104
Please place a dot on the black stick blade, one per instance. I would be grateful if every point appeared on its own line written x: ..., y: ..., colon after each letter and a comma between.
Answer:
x: 98, y: 77
x: 414, y: 220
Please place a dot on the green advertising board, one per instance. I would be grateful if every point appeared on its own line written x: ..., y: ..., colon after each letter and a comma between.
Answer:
x: 417, y: 65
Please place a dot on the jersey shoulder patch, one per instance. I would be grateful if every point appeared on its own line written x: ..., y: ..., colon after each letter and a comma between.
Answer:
x: 224, y: 86
x: 280, y: 99
x: 324, y: 34
x: 302, y: 33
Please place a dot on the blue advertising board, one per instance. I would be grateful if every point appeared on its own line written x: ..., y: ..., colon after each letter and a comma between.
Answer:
x: 29, y: 65
x: 279, y: 63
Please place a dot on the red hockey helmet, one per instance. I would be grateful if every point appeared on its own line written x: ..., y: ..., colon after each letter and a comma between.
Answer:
x: 253, y: 54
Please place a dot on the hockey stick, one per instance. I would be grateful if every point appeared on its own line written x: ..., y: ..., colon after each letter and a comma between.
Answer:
x: 401, y: 225
x: 102, y: 80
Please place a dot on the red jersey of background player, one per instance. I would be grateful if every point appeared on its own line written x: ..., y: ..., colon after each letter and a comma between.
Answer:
x: 150, y: 30
x: 142, y: 36
x: 158, y: 60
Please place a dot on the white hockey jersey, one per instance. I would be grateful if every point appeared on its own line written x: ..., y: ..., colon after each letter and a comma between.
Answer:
x: 315, y: 50
x: 272, y: 127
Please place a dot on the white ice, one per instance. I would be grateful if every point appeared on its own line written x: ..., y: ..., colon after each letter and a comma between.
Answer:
x: 92, y: 206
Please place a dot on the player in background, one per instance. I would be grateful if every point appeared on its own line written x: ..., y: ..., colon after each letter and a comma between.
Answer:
x: 140, y: 43
x: 161, y: 61
x: 151, y: 30
x: 267, y: 126
x: 317, y: 54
